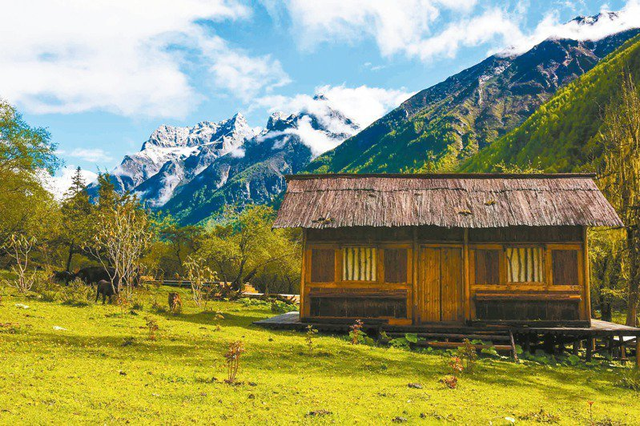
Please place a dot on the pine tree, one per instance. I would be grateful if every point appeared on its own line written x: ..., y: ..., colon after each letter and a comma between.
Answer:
x: 76, y: 212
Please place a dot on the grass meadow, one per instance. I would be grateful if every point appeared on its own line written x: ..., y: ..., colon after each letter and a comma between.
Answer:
x: 99, y: 364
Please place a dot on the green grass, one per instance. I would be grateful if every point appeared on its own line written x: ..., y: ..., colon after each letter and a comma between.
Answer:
x: 104, y: 369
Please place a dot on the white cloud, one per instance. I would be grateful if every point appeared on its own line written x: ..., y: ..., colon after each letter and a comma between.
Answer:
x: 362, y: 105
x: 245, y: 77
x: 126, y: 57
x: 91, y: 155
x: 550, y: 27
x: 466, y: 32
x: 61, y: 182
x: 429, y: 29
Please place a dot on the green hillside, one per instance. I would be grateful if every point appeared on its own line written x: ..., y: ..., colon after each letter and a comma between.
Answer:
x: 439, y: 126
x: 562, y: 135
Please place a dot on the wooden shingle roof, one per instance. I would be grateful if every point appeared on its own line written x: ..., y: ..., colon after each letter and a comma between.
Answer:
x: 446, y: 200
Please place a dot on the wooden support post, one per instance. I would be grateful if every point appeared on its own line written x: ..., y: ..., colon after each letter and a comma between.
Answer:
x: 513, y: 347
x: 414, y: 277
x: 589, y: 350
x: 623, y: 349
x: 466, y: 278
x: 303, y: 299
x: 637, y: 351
x: 610, y: 346
x: 587, y: 275
x: 527, y: 343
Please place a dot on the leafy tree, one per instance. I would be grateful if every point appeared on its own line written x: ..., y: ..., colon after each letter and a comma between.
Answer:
x: 244, y: 246
x: 620, y: 178
x: 181, y: 241
x: 26, y: 152
x: 122, y: 234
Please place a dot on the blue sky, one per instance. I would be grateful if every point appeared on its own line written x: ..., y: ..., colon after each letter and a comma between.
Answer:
x: 102, y: 75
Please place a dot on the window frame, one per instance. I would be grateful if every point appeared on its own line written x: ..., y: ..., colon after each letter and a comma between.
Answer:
x: 547, y: 285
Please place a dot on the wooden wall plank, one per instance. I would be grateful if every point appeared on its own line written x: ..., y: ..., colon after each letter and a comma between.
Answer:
x: 429, y: 289
x: 322, y: 265
x: 452, y: 284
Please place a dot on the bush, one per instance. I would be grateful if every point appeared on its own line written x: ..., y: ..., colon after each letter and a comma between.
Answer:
x: 630, y: 379
x: 77, y: 293
x: 280, y: 307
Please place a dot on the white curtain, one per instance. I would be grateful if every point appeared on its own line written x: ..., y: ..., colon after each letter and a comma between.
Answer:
x: 525, y: 264
x: 359, y: 264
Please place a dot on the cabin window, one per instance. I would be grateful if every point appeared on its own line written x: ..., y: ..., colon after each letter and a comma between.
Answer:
x: 565, y: 267
x: 323, y: 265
x: 359, y: 264
x: 525, y: 265
x: 395, y: 265
x: 487, y: 267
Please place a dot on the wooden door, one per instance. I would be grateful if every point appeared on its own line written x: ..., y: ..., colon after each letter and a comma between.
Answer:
x: 440, y: 290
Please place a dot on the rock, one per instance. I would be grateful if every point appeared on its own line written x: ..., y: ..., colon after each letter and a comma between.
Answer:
x: 415, y: 385
x: 319, y: 413
x: 399, y: 419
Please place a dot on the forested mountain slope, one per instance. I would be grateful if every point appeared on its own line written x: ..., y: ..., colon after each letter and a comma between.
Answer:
x: 452, y: 120
x: 562, y: 136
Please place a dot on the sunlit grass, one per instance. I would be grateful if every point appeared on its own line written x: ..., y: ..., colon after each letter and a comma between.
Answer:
x: 103, y: 368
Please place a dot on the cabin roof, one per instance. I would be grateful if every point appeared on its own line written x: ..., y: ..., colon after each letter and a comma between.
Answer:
x: 446, y: 200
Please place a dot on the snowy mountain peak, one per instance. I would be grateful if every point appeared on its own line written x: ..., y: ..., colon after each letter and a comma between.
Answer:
x: 591, y: 20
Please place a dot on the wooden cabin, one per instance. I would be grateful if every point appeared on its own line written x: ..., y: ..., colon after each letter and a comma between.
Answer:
x: 446, y: 249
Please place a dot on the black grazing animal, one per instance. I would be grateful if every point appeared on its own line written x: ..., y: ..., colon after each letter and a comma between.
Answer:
x: 93, y: 274
x: 63, y: 277
x: 106, y: 290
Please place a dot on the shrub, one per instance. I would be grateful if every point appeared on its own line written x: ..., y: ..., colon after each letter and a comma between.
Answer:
x: 450, y: 381
x: 356, y: 333
x: 310, y: 336
x: 630, y: 379
x: 455, y: 364
x: 76, y: 293
x: 280, y: 307
x: 468, y: 354
x: 152, y: 327
x: 236, y: 349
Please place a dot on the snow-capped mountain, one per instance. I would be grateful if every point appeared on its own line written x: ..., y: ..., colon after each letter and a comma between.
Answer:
x: 173, y: 155
x: 192, y: 172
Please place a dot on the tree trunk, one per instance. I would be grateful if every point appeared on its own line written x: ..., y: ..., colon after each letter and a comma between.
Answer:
x: 71, y: 245
x: 632, y: 302
x: 605, y: 309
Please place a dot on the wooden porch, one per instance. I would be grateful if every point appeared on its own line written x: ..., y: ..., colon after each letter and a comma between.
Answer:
x: 601, y: 338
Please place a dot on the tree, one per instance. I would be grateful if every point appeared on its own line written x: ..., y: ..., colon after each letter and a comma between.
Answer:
x: 620, y: 178
x: 122, y: 234
x: 76, y: 217
x: 244, y: 245
x: 26, y: 208
x: 19, y: 249
x: 182, y: 241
